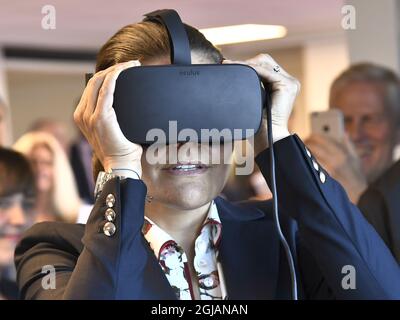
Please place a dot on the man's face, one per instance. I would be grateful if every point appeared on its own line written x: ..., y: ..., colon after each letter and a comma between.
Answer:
x: 369, y: 125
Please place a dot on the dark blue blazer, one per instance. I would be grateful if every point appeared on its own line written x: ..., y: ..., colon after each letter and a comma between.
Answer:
x: 324, y: 230
x: 380, y: 204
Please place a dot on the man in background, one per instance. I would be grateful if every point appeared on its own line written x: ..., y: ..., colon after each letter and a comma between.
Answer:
x: 369, y: 97
x: 16, y: 201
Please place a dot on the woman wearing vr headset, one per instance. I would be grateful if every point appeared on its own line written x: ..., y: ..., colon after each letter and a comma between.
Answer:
x: 162, y: 232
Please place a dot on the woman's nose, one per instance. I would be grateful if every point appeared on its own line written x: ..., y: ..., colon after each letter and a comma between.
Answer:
x: 189, y: 144
x: 188, y: 151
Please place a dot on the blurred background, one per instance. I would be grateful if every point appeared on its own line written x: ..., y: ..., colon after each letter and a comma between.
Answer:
x: 42, y: 70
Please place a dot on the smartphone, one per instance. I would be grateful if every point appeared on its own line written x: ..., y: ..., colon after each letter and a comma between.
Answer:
x: 328, y: 123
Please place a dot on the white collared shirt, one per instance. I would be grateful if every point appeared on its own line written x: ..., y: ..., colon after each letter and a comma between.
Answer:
x: 173, y: 259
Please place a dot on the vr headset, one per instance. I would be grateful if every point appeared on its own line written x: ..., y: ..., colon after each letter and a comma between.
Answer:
x: 189, y: 96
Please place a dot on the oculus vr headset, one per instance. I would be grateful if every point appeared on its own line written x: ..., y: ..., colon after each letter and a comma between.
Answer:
x: 195, y: 96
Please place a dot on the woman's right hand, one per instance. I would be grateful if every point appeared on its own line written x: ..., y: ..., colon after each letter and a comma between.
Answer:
x: 97, y: 120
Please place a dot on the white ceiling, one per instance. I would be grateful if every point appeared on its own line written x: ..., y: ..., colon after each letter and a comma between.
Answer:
x: 86, y: 24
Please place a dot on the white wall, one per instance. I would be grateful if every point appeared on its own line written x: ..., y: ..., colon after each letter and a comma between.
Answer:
x: 323, y: 60
x: 44, y: 90
x: 376, y: 36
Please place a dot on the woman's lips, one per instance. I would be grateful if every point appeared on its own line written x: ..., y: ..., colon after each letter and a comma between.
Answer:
x: 187, y: 169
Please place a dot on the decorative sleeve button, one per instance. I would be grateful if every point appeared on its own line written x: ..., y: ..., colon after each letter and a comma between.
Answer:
x: 109, y: 229
x: 110, y: 200
x: 110, y: 215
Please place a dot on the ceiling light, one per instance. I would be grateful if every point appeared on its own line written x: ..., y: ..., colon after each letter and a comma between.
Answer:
x: 243, y: 33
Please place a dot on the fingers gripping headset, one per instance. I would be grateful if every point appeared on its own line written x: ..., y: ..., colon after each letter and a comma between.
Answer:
x: 196, y: 96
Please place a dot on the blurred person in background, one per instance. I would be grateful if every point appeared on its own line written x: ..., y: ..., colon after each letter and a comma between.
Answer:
x: 369, y: 97
x: 259, y: 186
x: 54, y: 127
x: 57, y: 196
x: 78, y: 151
x: 17, y: 190
x: 5, y: 124
x: 80, y: 157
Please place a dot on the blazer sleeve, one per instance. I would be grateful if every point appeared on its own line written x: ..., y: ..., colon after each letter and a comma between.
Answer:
x: 340, y: 241
x: 107, y: 267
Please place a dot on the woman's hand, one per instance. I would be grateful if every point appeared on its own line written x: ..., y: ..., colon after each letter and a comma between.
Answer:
x: 285, y: 89
x: 97, y: 120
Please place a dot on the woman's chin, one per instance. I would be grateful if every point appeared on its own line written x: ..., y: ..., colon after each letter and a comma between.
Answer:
x: 191, y: 199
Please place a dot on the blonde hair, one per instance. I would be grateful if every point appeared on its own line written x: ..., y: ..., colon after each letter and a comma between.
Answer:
x: 66, y: 199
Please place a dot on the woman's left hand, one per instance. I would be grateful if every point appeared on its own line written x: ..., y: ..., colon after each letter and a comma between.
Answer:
x: 285, y: 89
